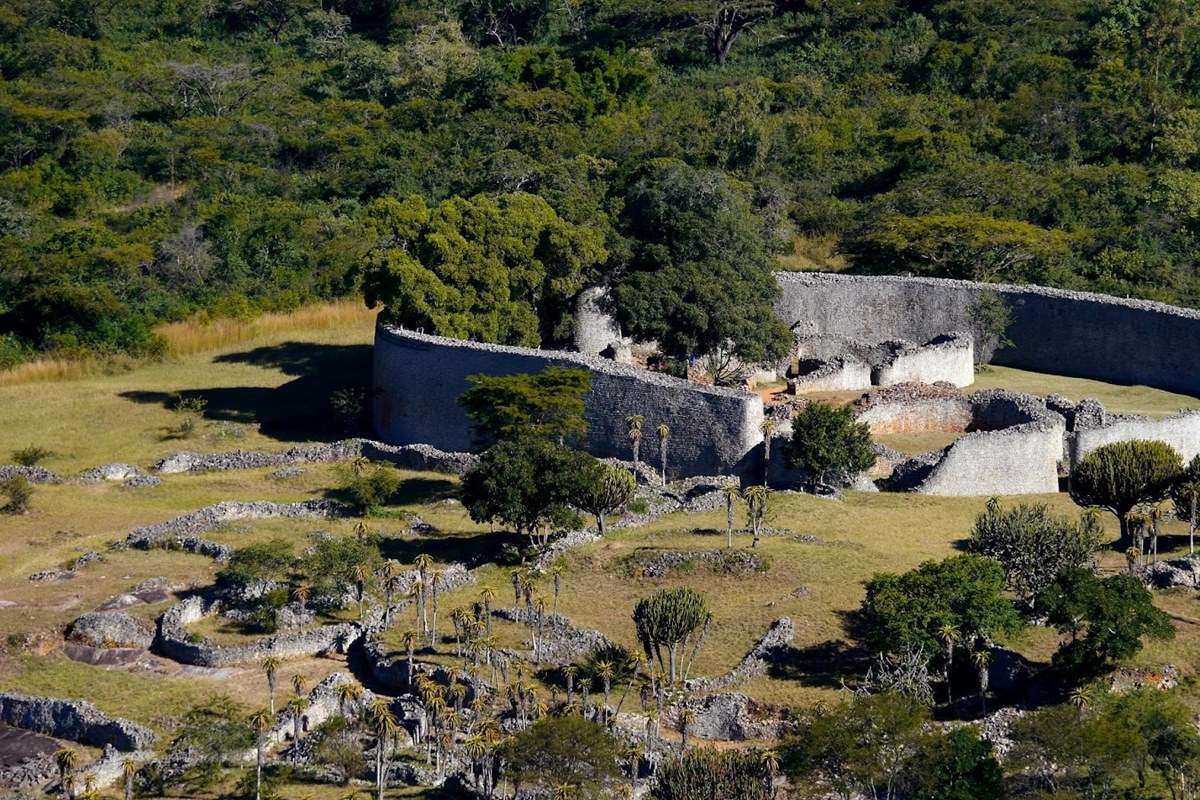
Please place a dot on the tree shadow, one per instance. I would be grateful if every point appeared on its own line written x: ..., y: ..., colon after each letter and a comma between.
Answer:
x: 470, y: 549
x: 830, y: 664
x: 416, y: 491
x: 299, y: 410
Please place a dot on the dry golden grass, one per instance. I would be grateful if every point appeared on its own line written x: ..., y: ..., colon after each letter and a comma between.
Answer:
x: 814, y: 254
x: 201, y: 336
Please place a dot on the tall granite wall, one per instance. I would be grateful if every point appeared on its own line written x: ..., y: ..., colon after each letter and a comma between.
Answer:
x: 1069, y: 333
x: 419, y: 378
x: 1181, y: 431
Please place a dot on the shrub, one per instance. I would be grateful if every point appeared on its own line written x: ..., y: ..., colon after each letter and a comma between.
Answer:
x: 827, y: 442
x: 1121, y: 475
x: 703, y: 774
x: 31, y: 456
x: 188, y: 413
x: 371, y: 490
x: 19, y: 494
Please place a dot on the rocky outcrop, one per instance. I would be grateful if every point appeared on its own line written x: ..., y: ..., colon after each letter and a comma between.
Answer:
x: 654, y: 563
x: 31, y: 474
x: 175, y: 641
x: 559, y: 641
x: 183, y: 532
x: 416, y: 456
x: 111, y: 629
x: 129, y: 474
x: 773, y: 647
x: 76, y: 720
x: 1178, y: 572
x: 732, y: 717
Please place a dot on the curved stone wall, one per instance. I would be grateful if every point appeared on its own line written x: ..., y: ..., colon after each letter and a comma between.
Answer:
x: 175, y: 643
x: 76, y: 720
x: 1181, y: 431
x: 419, y: 378
x: 1068, y: 333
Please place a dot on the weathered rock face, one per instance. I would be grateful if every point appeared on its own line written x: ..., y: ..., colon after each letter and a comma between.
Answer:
x: 111, y: 629
x: 76, y: 720
x: 733, y: 717
x: 1178, y: 572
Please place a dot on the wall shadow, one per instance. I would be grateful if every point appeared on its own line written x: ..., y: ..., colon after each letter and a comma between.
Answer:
x: 470, y: 549
x: 299, y: 410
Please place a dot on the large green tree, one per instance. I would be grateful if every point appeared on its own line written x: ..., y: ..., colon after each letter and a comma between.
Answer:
x: 827, y: 443
x: 548, y: 404
x: 564, y: 751
x: 1121, y: 475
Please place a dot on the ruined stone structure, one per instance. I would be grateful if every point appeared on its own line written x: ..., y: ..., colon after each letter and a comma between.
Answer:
x: 834, y: 363
x: 419, y: 379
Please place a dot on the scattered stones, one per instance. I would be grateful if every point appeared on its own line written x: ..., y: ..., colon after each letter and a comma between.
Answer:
x: 1128, y: 679
x: 52, y: 574
x: 31, y: 474
x: 732, y: 717
x: 82, y: 561
x: 110, y: 472
x: 1178, y: 572
x: 653, y: 563
x: 111, y: 629
x: 286, y: 473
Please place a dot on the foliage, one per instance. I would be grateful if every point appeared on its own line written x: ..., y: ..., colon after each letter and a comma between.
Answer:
x: 705, y: 774
x: 524, y: 483
x: 31, y: 456
x: 495, y: 268
x: 990, y: 318
x: 955, y: 765
x: 599, y: 488
x: 262, y: 562
x: 548, y: 404
x: 18, y: 494
x: 1106, y: 619
x: 566, y: 750
x: 619, y: 659
x: 862, y: 747
x: 372, y: 489
x: 1185, y: 493
x: 1033, y: 545
x: 331, y: 563
x: 1121, y: 475
x: 215, y: 731
x: 826, y: 441
x: 908, y: 611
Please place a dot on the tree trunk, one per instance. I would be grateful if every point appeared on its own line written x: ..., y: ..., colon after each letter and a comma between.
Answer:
x: 600, y: 523
x: 379, y: 775
x: 258, y: 767
x: 1192, y: 528
x: 766, y: 457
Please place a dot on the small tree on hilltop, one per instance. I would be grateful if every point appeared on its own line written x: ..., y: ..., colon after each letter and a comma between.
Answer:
x: 1186, y: 497
x: 1033, y: 545
x: 546, y: 405
x: 598, y: 488
x: 1121, y: 475
x: 827, y: 441
x: 670, y: 618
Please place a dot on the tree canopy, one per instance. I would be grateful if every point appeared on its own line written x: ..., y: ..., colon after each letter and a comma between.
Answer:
x: 1121, y: 475
x: 827, y: 441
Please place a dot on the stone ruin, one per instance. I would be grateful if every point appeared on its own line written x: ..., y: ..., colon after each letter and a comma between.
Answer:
x: 835, y: 364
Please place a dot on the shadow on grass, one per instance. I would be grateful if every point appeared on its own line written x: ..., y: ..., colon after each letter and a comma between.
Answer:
x: 830, y: 664
x: 471, y: 549
x: 298, y: 410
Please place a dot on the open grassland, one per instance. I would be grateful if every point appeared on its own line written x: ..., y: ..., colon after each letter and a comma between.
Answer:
x: 1118, y: 399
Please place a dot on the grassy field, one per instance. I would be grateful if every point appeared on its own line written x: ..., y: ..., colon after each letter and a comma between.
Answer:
x: 267, y: 387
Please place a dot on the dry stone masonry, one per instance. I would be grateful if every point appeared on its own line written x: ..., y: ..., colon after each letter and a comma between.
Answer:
x: 76, y: 720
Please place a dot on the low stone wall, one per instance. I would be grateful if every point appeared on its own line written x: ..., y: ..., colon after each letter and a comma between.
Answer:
x: 1181, y: 431
x: 183, y: 532
x: 31, y: 474
x: 773, y: 648
x: 174, y: 641
x: 918, y: 415
x: 76, y: 720
x: 944, y: 359
x: 419, y: 378
x: 1017, y: 450
x: 412, y: 456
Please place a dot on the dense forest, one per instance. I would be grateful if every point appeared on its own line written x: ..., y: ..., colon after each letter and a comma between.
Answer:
x: 476, y: 163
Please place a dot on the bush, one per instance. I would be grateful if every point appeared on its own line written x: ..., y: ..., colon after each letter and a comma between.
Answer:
x: 30, y: 456
x: 1121, y: 475
x: 827, y: 442
x: 188, y: 412
x: 19, y: 493
x: 371, y: 490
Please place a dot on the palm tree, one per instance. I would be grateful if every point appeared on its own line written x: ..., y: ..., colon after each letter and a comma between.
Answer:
x: 664, y: 434
x: 298, y: 683
x: 359, y: 464
x: 557, y: 570
x: 392, y: 570
x: 732, y: 495
x: 301, y: 594
x: 435, y: 585
x: 982, y: 658
x: 564, y: 791
x: 948, y: 633
x: 634, y: 424
x: 770, y: 762
x: 270, y: 665
x: 633, y: 754
x: 767, y: 427
x: 67, y: 761
x: 1187, y: 493
x: 604, y: 670
x: 362, y: 574
x: 129, y: 771
x: 360, y: 530
x: 384, y: 725
x: 296, y: 707
x: 757, y: 498
x: 1081, y: 698
x: 348, y: 692
x: 569, y: 672
x: 487, y: 596
x: 686, y: 715
x: 261, y: 722
x: 410, y: 643
x: 474, y: 748
x: 424, y: 563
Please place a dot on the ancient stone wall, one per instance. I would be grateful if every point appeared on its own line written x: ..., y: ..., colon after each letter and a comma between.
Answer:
x: 1181, y: 431
x: 1070, y: 333
x: 1016, y: 450
x: 175, y: 642
x: 76, y: 720
x: 918, y: 415
x: 947, y: 359
x: 419, y: 379
x: 841, y: 374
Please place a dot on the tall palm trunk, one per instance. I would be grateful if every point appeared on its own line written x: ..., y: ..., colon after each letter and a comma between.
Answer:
x: 258, y: 765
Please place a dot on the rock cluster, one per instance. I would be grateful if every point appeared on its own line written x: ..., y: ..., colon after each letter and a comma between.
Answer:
x: 559, y: 640
x: 128, y: 474
x: 733, y: 717
x: 1181, y: 572
x: 76, y: 720
x: 774, y: 647
x: 31, y: 474
x: 111, y: 629
x: 724, y: 561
